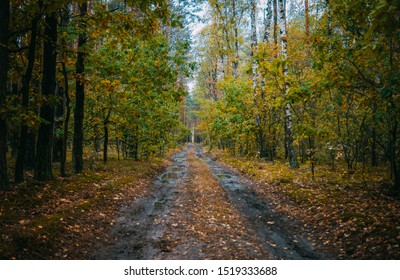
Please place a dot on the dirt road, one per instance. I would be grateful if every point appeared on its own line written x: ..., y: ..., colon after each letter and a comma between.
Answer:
x: 200, y: 209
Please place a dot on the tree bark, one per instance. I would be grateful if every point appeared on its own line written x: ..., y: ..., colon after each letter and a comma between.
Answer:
x: 105, y: 143
x: 236, y: 35
x: 288, y: 110
x: 66, y: 117
x: 169, y: 23
x: 4, y: 25
x: 26, y: 81
x: 77, y: 149
x: 117, y: 141
x: 393, y: 153
x: 254, y: 43
x: 267, y: 20
x: 105, y: 140
x: 307, y: 27
x: 266, y: 37
x: 43, y: 164
x: 30, y: 153
x: 329, y: 26
x: 58, y: 126
x: 275, y: 6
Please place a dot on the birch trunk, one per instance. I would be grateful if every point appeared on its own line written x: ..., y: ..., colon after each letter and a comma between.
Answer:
x: 261, y: 136
x: 267, y: 35
x: 236, y: 35
x: 275, y: 7
x: 288, y: 110
x: 254, y: 46
x: 267, y: 20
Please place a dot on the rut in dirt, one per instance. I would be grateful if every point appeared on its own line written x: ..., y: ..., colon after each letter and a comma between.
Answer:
x: 137, y: 233
x: 276, y: 232
x: 191, y: 216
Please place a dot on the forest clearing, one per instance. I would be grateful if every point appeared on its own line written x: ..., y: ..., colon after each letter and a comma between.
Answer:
x: 200, y: 129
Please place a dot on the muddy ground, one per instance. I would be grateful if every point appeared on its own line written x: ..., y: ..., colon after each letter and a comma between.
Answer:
x: 201, y: 209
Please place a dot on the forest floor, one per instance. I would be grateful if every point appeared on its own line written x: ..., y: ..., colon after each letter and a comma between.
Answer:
x: 197, y: 205
x: 345, y: 215
x: 199, y: 209
x: 64, y: 218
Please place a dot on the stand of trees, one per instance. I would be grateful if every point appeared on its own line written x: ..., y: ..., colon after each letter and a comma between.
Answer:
x: 321, y: 86
x: 82, y: 77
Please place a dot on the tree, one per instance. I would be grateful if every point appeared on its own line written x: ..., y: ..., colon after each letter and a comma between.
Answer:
x: 77, y: 148
x: 43, y: 162
x: 288, y: 110
x: 4, y: 31
x: 26, y: 82
x: 255, y: 77
x: 65, y: 20
x: 267, y: 21
x: 236, y: 39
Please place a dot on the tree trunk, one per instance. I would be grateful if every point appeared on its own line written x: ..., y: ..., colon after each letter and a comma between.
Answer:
x: 169, y: 23
x: 105, y: 143
x: 30, y: 153
x: 58, y: 126
x: 307, y: 27
x: 267, y: 20
x: 374, y: 156
x: 312, y: 162
x: 288, y: 110
x: 275, y: 6
x: 124, y: 149
x: 253, y: 47
x: 254, y: 43
x: 266, y: 38
x: 394, y: 155
x: 66, y: 117
x: 26, y: 81
x: 118, y: 148
x: 77, y: 149
x: 43, y: 165
x: 214, y: 81
x: 236, y: 35
x: 105, y: 140
x: 329, y: 26
x: 65, y: 20
x: 4, y: 22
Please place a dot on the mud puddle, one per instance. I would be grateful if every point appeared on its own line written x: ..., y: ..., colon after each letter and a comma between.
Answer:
x: 276, y: 232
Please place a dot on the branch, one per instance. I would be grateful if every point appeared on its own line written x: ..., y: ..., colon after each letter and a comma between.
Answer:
x: 363, y: 76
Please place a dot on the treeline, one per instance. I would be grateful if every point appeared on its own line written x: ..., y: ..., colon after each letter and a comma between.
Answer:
x: 318, y: 83
x: 77, y: 77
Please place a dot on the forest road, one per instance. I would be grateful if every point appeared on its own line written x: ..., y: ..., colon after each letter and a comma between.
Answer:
x: 201, y: 209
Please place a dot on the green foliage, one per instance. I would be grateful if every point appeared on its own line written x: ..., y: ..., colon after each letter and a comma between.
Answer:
x: 344, y: 87
x: 134, y: 89
x: 136, y: 62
